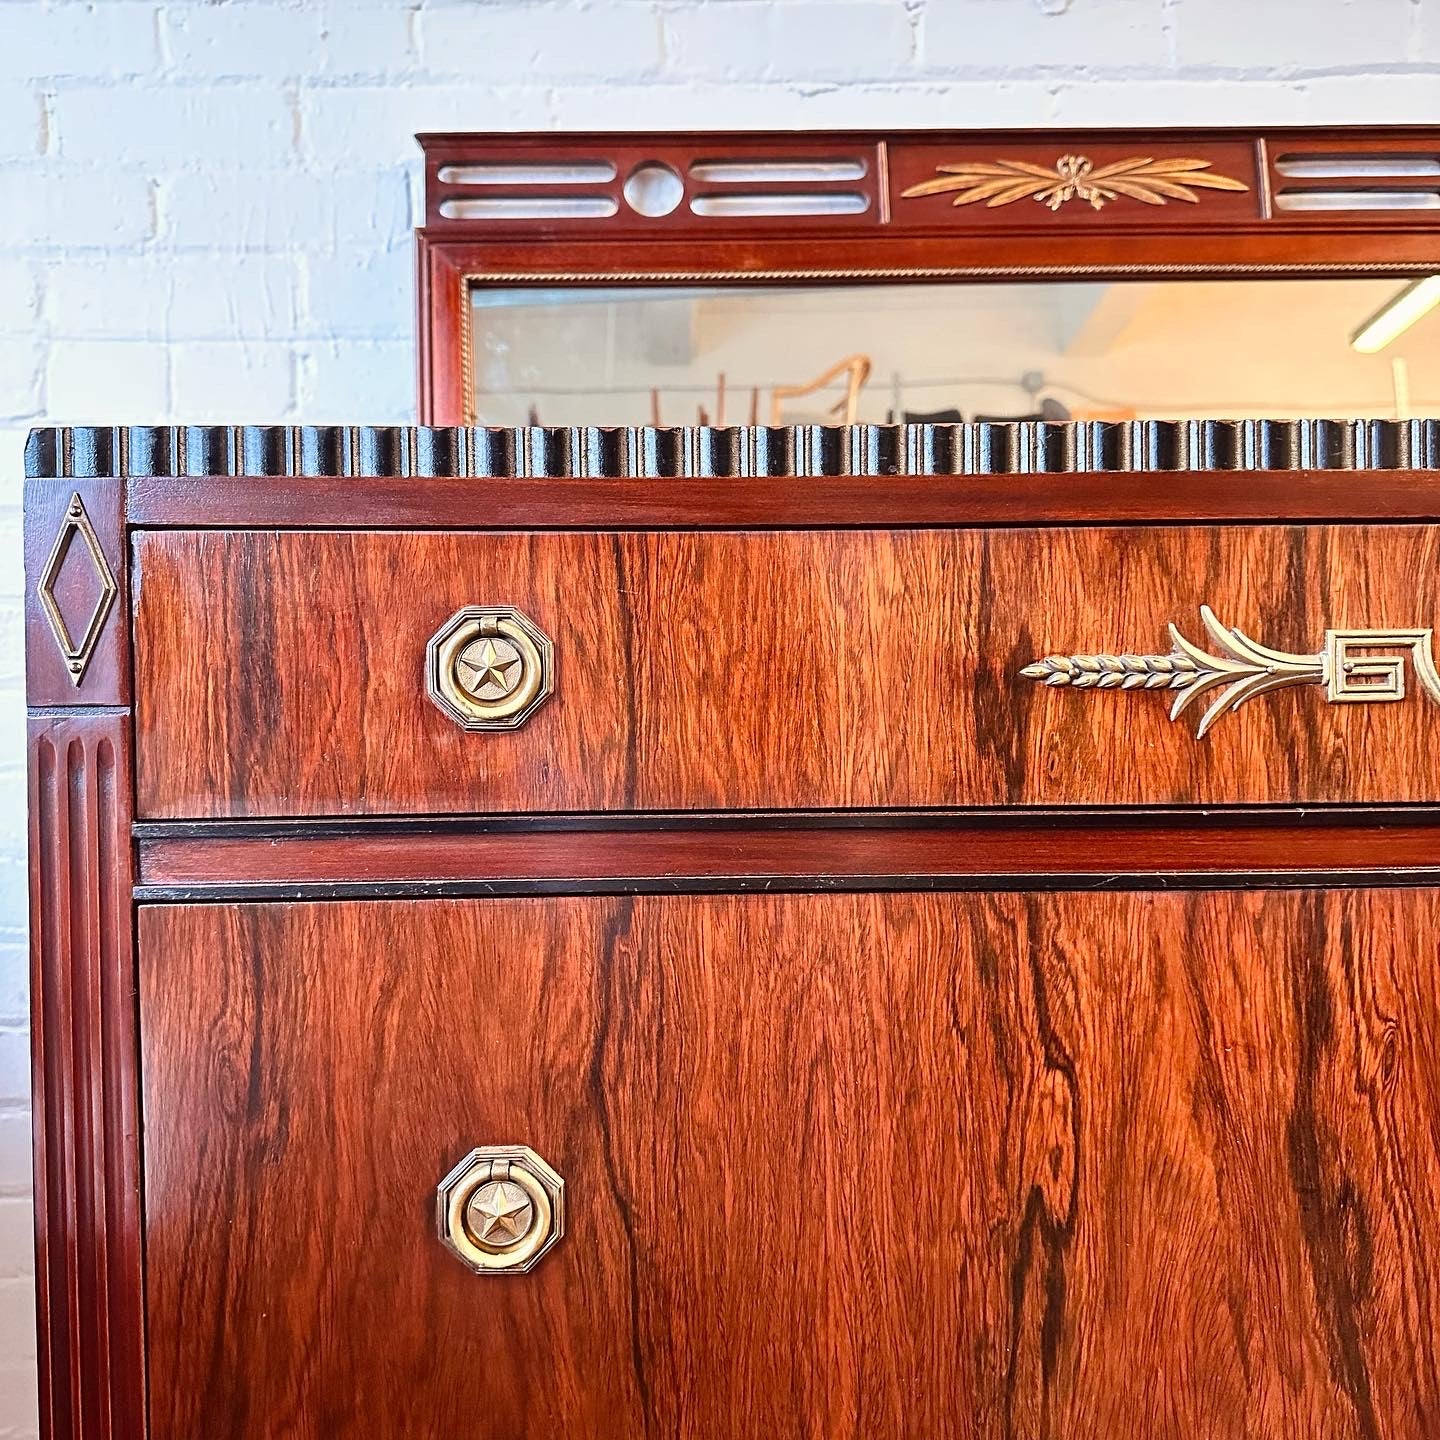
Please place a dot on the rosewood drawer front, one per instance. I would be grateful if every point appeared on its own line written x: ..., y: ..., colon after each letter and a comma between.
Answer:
x: 286, y: 673
x: 962, y: 1166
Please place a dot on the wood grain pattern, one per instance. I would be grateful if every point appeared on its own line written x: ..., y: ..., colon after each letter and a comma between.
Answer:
x: 915, y: 1166
x: 87, y: 1130
x: 766, y: 856
x: 881, y: 502
x: 282, y: 673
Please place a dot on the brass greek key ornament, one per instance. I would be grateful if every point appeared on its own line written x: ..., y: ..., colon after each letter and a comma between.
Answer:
x: 1351, y: 667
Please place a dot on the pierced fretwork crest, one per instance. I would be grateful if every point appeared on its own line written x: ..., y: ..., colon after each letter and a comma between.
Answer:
x: 1351, y: 667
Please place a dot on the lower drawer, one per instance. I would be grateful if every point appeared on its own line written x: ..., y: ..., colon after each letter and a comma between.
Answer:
x: 1077, y: 1165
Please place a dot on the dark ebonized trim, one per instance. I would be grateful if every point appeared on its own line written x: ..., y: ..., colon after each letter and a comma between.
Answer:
x: 1121, y: 817
x: 790, y: 885
x: 645, y: 452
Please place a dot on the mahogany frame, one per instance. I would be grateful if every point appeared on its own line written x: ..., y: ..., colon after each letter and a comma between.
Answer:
x: 896, y: 239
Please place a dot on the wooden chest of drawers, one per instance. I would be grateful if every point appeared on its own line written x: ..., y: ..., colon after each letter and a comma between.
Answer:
x: 715, y: 934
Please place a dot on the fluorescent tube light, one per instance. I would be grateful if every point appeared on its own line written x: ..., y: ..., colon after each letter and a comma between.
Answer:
x: 1397, y: 315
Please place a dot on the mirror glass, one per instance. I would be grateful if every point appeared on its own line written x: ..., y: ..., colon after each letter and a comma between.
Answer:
x: 1228, y: 349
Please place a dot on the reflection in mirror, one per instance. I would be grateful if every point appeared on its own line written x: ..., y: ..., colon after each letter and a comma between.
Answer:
x: 1088, y: 351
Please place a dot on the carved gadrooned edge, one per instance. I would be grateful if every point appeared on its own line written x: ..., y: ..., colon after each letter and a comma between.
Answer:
x: 645, y: 452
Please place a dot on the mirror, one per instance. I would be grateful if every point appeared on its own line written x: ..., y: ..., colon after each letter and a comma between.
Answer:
x: 1163, y: 349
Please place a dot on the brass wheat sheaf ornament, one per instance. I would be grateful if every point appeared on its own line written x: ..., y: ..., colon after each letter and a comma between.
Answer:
x: 1349, y: 667
x: 1074, y: 177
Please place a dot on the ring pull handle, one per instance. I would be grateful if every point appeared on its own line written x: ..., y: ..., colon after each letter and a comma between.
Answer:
x: 489, y: 667
x: 500, y: 1209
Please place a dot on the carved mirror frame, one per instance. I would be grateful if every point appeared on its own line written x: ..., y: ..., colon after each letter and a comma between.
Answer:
x: 825, y: 207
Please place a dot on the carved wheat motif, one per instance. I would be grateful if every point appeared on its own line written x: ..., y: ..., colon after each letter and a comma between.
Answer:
x: 1110, y: 672
x: 1243, y: 666
x: 1353, y: 666
x: 1075, y: 177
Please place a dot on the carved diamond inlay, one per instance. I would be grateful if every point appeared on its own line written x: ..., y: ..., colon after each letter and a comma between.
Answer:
x: 76, y: 541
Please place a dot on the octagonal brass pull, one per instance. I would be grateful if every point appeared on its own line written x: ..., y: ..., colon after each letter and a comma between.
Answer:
x: 489, y: 667
x: 500, y: 1209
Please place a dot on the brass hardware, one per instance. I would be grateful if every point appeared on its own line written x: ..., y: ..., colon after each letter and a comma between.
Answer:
x: 76, y: 653
x: 489, y: 668
x: 500, y: 1209
x: 1074, y: 177
x: 1346, y: 667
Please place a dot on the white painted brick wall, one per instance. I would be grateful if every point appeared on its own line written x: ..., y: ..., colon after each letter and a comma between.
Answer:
x: 205, y: 212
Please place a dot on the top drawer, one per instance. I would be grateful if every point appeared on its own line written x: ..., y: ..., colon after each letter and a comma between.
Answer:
x: 285, y: 673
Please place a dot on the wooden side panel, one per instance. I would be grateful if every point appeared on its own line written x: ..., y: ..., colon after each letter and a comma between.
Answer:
x: 1074, y: 1166
x: 284, y: 673
x: 87, y: 1135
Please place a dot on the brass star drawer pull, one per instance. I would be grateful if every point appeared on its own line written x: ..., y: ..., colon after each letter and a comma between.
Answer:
x: 500, y: 1209
x: 1349, y: 668
x: 489, y: 667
